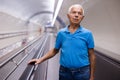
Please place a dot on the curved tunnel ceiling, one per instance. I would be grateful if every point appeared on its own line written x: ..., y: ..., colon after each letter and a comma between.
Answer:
x: 28, y: 9
x: 31, y: 10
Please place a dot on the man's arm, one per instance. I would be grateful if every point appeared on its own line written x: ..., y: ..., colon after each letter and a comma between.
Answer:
x: 48, y: 55
x: 92, y: 63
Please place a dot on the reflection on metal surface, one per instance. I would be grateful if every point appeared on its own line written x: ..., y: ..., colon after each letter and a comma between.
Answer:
x: 10, y: 48
x: 12, y: 34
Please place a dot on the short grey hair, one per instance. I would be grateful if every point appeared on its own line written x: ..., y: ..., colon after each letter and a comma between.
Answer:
x: 74, y: 6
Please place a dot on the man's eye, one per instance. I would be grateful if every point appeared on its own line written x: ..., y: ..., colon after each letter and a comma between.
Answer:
x: 80, y: 13
x: 73, y: 12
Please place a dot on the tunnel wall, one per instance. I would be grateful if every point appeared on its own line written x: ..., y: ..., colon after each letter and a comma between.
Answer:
x: 102, y: 18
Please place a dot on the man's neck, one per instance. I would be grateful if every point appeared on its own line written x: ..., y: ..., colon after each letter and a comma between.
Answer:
x: 73, y: 28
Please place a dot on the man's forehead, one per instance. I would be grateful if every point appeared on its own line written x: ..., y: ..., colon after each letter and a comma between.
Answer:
x: 76, y: 9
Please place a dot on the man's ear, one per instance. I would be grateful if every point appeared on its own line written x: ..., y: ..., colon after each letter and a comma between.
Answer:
x: 68, y: 15
x: 82, y: 17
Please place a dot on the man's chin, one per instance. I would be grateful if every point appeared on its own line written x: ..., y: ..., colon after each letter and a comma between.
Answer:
x: 76, y: 23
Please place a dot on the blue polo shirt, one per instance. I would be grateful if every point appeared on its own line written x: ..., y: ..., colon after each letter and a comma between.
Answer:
x: 74, y: 47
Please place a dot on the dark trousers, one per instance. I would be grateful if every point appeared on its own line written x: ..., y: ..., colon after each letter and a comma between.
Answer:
x: 82, y: 73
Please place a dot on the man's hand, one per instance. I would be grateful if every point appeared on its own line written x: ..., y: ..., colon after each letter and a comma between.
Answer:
x: 34, y: 61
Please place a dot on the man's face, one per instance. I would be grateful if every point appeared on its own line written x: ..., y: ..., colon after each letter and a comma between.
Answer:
x: 76, y: 15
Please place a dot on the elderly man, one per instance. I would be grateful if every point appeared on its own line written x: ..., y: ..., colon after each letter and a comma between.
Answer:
x: 76, y: 45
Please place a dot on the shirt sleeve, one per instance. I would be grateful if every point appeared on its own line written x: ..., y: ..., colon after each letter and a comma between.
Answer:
x: 91, y: 41
x: 58, y: 41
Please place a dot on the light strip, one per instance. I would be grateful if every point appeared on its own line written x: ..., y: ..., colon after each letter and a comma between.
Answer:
x: 56, y: 11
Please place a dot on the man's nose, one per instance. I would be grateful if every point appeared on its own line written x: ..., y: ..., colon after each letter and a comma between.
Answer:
x: 76, y: 15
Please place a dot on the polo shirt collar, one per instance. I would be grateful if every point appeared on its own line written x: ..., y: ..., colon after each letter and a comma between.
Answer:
x: 78, y: 30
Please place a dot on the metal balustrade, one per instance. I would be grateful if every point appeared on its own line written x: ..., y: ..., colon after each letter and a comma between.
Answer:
x: 37, y: 72
x: 9, y: 65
